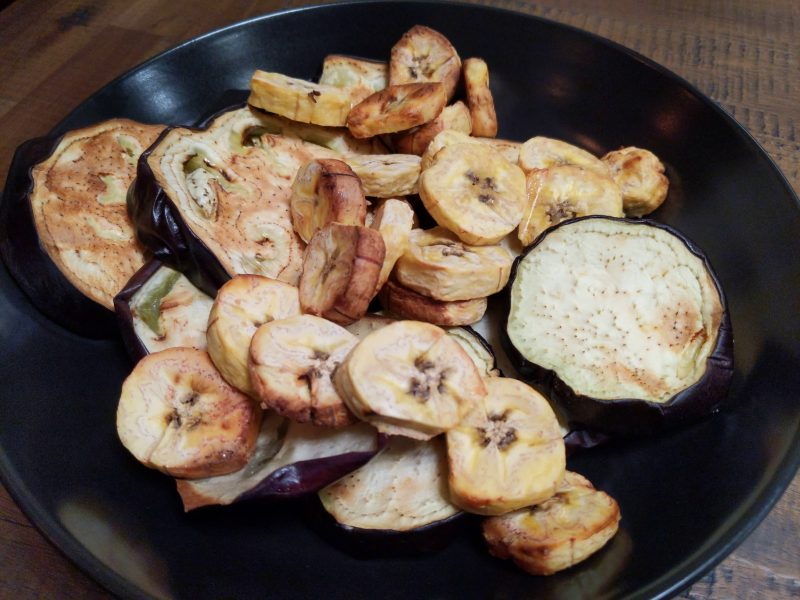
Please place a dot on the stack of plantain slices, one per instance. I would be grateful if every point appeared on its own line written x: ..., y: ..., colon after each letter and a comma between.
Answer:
x: 262, y: 369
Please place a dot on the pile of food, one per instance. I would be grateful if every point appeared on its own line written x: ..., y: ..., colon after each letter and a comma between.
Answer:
x: 296, y: 281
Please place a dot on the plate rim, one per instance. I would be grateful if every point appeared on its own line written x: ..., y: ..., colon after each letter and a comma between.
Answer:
x: 680, y: 577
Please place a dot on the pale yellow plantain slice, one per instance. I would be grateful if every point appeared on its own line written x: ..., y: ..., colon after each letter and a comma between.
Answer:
x: 340, y: 272
x: 176, y: 414
x: 300, y: 100
x: 396, y: 108
x: 409, y: 378
x: 291, y: 363
x: 360, y: 77
x: 455, y: 117
x: 393, y: 219
x: 479, y: 98
x: 439, y: 265
x: 409, y: 304
x: 507, y: 452
x: 324, y: 191
x: 542, y: 153
x: 640, y: 176
x: 558, y: 533
x: 423, y: 54
x: 560, y: 193
x: 242, y: 305
x: 448, y: 137
x: 386, y: 175
x: 474, y: 192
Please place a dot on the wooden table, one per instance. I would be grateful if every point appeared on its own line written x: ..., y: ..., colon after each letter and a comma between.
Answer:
x: 745, y: 54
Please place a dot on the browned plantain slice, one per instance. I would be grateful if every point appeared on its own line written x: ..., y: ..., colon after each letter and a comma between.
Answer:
x: 409, y: 304
x: 291, y: 363
x: 455, y: 117
x: 176, y: 414
x: 340, y: 272
x: 242, y: 305
x: 558, y: 533
x: 326, y: 190
x: 396, y: 108
x: 560, y: 193
x: 640, y: 176
x: 409, y: 378
x: 479, y: 98
x: 423, y: 54
x: 507, y: 452
x: 438, y: 265
x: 299, y: 100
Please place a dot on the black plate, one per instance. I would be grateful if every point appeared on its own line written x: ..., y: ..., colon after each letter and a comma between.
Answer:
x: 687, y: 497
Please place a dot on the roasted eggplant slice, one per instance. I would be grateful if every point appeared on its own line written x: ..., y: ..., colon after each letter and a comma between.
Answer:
x: 623, y: 322
x: 290, y: 460
x: 396, y: 503
x: 159, y: 308
x: 71, y: 247
x: 214, y: 203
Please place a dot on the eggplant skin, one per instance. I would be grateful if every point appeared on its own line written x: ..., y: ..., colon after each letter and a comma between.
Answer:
x: 27, y: 262
x: 308, y: 476
x: 160, y: 228
x: 630, y: 416
x: 122, y: 308
x: 386, y: 543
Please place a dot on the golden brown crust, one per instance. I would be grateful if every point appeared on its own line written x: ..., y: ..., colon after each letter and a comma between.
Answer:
x: 455, y: 117
x: 396, y: 108
x: 479, y: 98
x: 79, y: 210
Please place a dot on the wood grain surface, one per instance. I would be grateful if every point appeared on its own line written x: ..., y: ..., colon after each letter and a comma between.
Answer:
x: 743, y: 54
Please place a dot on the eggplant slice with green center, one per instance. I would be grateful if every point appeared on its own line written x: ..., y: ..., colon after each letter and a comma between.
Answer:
x: 397, y: 503
x: 623, y: 322
x: 159, y: 308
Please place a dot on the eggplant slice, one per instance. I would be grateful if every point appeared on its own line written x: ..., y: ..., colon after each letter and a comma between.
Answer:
x: 64, y: 232
x: 290, y: 460
x: 159, y: 308
x: 623, y: 322
x: 395, y: 504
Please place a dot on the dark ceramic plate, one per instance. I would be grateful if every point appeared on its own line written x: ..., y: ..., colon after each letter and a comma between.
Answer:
x: 687, y: 497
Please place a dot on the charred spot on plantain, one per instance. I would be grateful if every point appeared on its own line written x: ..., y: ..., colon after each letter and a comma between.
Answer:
x: 312, y: 95
x: 191, y: 399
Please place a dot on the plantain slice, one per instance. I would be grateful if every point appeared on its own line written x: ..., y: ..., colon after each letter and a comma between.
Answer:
x: 386, y: 175
x: 359, y: 77
x: 396, y: 108
x: 558, y: 533
x: 409, y: 304
x: 291, y: 362
x: 438, y: 265
x: 479, y: 98
x: 640, y: 176
x: 176, y: 414
x: 326, y: 190
x: 423, y: 54
x: 542, y: 153
x: 507, y: 452
x: 507, y: 149
x: 242, y: 305
x: 299, y: 100
x: 474, y: 192
x: 455, y: 117
x: 409, y: 378
x: 560, y: 193
x: 340, y: 271
x: 393, y: 219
